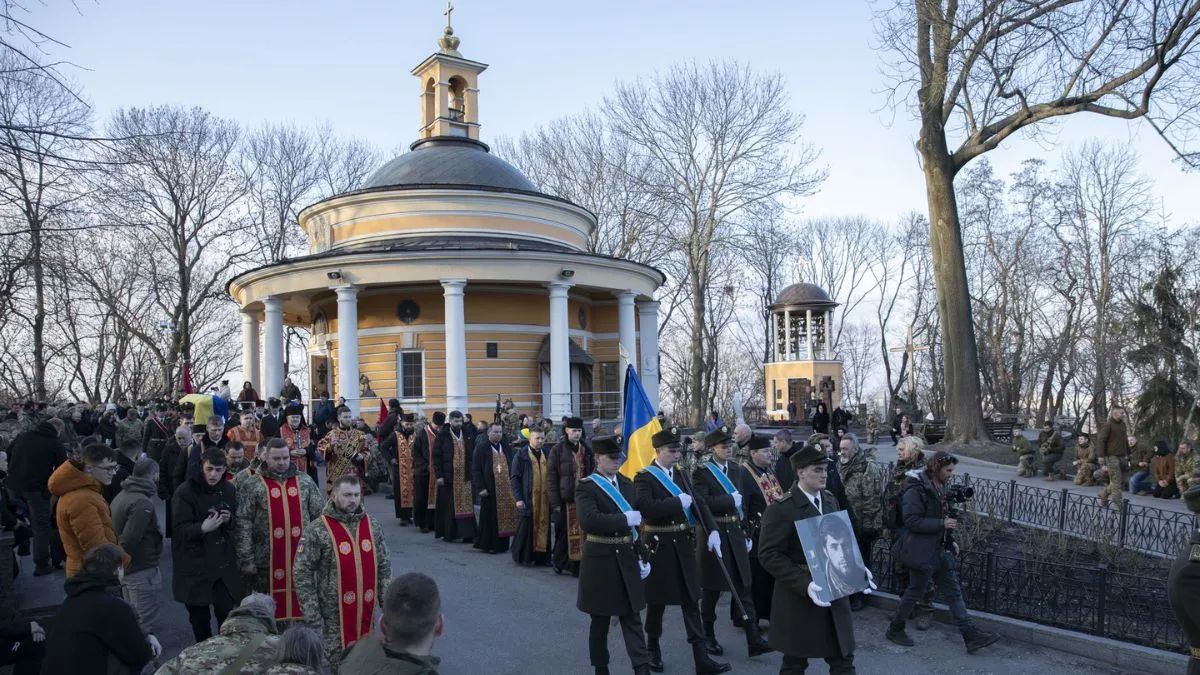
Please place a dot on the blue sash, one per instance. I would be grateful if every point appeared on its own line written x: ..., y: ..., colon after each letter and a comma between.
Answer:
x: 615, y: 495
x: 656, y: 471
x: 723, y: 480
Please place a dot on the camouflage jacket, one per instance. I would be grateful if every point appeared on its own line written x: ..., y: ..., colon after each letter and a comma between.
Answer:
x: 511, y: 421
x: 863, y: 480
x: 219, y: 651
x: 1020, y: 445
x: 1185, y: 466
x: 316, y: 577
x: 130, y: 431
x: 1050, y: 443
x: 253, y: 532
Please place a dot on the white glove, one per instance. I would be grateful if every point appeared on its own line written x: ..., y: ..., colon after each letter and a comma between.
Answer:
x: 633, y: 518
x: 870, y: 582
x: 644, y: 569
x: 155, y: 647
x: 714, y: 542
x: 686, y: 500
x: 749, y: 544
x: 737, y: 500
x: 813, y: 589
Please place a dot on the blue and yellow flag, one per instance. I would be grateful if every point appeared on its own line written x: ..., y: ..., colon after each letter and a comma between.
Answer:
x: 640, y: 426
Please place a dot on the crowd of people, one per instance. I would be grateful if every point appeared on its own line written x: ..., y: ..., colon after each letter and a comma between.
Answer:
x: 289, y: 572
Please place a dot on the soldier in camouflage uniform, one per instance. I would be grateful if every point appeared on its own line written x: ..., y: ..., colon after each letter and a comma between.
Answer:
x: 1025, y: 456
x: 511, y: 421
x: 254, y: 524
x: 1050, y: 446
x: 130, y: 430
x: 251, y: 622
x: 319, y: 582
x: 1186, y: 466
x: 872, y: 428
x: 1085, y: 466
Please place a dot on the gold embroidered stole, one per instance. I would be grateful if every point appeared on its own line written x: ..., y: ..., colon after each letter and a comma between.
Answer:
x: 506, y: 504
x: 540, y: 503
x: 463, y: 507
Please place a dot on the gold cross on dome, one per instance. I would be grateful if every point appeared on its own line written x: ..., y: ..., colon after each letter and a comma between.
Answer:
x: 448, y: 12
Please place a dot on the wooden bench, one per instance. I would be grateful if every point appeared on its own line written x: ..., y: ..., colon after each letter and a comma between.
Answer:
x: 935, y: 431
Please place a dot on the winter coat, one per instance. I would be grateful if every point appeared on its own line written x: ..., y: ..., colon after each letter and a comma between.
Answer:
x: 289, y: 392
x: 1162, y: 467
x: 520, y: 474
x: 609, y: 579
x: 712, y: 499
x: 924, y: 510
x: 370, y: 656
x: 202, y: 558
x: 674, y: 573
x: 1113, y: 440
x: 136, y: 523
x: 820, y: 422
x: 561, y: 472
x: 863, y: 481
x: 32, y: 457
x: 83, y: 516
x: 95, y: 631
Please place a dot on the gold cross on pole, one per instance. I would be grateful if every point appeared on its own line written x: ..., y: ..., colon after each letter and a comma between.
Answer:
x: 910, y: 349
x: 448, y: 12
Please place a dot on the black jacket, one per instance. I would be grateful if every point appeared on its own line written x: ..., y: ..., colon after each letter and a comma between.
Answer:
x: 443, y: 455
x: 95, y: 631
x: 610, y: 583
x: 561, y: 471
x: 924, y: 508
x: 33, y: 456
x: 270, y: 424
x: 422, y: 451
x: 202, y: 558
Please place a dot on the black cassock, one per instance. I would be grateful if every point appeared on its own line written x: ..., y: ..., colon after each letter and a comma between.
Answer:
x: 487, y: 535
x: 523, y: 550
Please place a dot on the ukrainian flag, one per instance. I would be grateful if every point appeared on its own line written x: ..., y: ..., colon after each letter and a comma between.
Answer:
x: 640, y: 426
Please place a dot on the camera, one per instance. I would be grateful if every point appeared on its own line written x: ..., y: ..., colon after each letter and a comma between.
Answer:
x: 958, y: 494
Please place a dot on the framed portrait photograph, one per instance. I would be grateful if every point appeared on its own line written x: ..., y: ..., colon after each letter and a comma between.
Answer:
x: 833, y: 557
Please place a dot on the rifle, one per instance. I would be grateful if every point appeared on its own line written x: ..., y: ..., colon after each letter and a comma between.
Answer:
x: 737, y: 601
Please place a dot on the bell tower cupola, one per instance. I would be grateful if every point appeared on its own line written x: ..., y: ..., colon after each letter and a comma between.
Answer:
x: 449, y: 89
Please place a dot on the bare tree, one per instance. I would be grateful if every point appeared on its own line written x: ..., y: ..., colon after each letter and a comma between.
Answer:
x: 175, y: 180
x: 900, y: 265
x: 977, y: 72
x: 836, y: 254
x: 720, y: 139
x: 771, y: 252
x: 859, y: 350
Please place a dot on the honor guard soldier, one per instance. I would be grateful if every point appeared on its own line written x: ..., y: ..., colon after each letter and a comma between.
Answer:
x: 716, y: 492
x: 802, y: 625
x: 611, y: 570
x: 669, y: 525
x: 1183, y: 586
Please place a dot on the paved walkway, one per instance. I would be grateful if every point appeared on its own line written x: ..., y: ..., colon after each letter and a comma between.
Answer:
x: 501, y: 618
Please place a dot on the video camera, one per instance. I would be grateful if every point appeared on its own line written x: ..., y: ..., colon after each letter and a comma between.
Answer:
x: 955, y: 495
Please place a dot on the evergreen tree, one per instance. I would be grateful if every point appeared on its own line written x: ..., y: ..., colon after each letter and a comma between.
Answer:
x: 1163, y: 357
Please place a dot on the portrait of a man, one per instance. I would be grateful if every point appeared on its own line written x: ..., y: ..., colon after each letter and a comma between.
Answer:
x: 833, y: 557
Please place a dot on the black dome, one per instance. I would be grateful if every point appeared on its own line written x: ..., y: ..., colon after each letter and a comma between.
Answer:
x: 804, y: 294
x: 447, y: 160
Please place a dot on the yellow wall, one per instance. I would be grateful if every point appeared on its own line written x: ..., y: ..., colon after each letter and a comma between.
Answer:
x: 779, y: 374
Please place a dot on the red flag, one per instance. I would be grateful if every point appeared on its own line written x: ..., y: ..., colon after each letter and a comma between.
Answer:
x: 383, y: 413
x: 187, y: 379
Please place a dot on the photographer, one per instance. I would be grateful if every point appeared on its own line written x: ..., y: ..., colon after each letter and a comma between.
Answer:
x: 926, y: 548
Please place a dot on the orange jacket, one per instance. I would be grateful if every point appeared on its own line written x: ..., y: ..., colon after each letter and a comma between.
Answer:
x: 84, y: 519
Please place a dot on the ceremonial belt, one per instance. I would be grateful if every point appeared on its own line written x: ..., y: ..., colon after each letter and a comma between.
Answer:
x: 671, y: 487
x: 597, y: 539
x: 727, y: 520
x: 677, y: 527
x: 615, y: 495
x: 726, y: 485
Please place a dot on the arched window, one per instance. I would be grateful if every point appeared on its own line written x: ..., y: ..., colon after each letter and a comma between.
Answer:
x: 428, y: 96
x: 458, y: 99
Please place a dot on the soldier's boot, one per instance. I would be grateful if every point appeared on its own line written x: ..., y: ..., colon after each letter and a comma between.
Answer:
x: 924, y: 617
x: 897, y: 634
x: 755, y: 644
x: 977, y: 639
x: 705, y: 665
x: 710, y: 640
x: 655, y: 650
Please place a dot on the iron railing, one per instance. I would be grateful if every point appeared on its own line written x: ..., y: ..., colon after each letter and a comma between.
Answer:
x: 1093, y: 600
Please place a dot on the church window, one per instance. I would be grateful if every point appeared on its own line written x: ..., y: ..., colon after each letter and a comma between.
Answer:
x: 493, y: 350
x: 410, y: 375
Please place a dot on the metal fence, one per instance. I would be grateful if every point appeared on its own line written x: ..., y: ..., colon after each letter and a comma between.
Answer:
x: 1145, y: 529
x: 1093, y: 600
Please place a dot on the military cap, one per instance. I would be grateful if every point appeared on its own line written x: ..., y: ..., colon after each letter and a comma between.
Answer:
x: 759, y: 443
x: 717, y: 436
x: 666, y: 438
x: 294, y: 409
x: 608, y: 445
x: 573, y: 423
x: 809, y: 455
x: 439, y: 418
x: 273, y: 402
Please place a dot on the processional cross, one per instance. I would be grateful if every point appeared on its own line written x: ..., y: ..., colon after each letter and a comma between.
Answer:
x: 910, y: 350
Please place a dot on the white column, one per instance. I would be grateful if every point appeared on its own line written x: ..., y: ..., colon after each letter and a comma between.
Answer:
x: 648, y: 330
x: 456, y: 344
x: 272, y: 366
x: 347, y: 322
x: 773, y: 336
x: 560, y: 351
x: 787, y: 335
x: 251, y: 363
x: 626, y: 333
x: 808, y: 331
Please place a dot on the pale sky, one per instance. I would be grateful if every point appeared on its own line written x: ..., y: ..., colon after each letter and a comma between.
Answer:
x: 348, y: 62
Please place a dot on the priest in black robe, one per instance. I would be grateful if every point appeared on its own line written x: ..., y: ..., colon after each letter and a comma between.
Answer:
x: 531, y: 545
x: 492, y: 486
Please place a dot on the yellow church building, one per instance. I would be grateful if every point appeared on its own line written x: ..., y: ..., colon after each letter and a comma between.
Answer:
x: 448, y: 280
x: 803, y: 367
